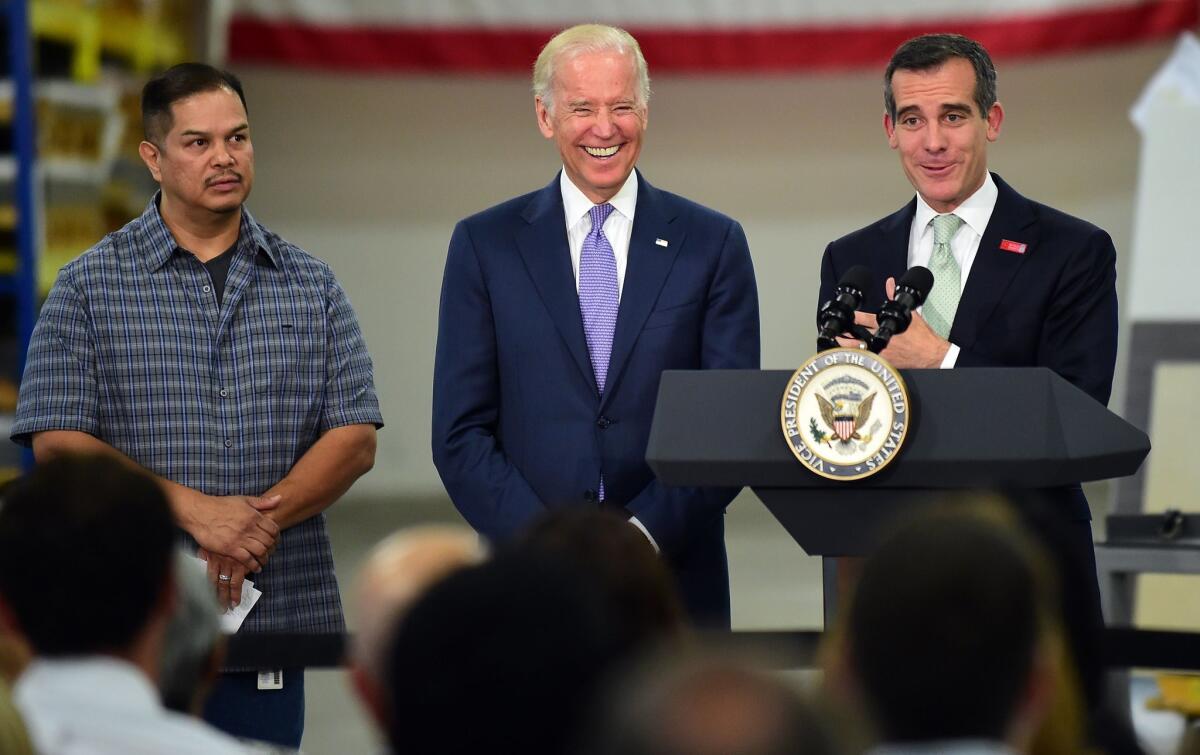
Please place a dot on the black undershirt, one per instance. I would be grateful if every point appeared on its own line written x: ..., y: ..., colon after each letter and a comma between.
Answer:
x: 218, y: 271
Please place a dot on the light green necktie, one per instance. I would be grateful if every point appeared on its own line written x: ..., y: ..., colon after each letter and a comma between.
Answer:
x: 942, y: 303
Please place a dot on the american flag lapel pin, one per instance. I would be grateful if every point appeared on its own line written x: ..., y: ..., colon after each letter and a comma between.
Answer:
x: 660, y: 242
x: 1016, y: 247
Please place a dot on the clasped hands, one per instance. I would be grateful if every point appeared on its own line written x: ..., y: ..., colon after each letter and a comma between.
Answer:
x: 916, y: 347
x: 236, y: 538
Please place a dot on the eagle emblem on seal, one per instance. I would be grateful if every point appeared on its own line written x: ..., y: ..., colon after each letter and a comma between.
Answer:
x: 846, y: 417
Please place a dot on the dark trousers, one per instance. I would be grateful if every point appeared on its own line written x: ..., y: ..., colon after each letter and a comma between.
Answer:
x: 239, y: 708
x: 1067, y: 538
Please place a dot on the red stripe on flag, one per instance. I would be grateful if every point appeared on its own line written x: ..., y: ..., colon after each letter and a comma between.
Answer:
x: 684, y: 49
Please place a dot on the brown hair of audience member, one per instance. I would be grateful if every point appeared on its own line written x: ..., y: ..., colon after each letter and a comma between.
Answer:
x: 704, y: 703
x: 630, y: 574
x: 14, y: 651
x: 953, y: 632
x: 103, y: 539
x: 14, y: 739
x: 14, y: 655
x: 503, y: 658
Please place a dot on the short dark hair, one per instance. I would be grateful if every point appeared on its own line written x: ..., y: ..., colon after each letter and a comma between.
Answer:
x: 642, y: 595
x: 945, y: 602
x: 86, y: 548
x: 177, y: 83
x: 521, y: 641
x: 930, y: 51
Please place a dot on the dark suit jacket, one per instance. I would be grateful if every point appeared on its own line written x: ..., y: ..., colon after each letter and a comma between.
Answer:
x: 1053, y: 306
x: 518, y: 423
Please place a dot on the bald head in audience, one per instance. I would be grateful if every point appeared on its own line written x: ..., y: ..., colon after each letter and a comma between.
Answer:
x: 711, y: 705
x: 395, y: 574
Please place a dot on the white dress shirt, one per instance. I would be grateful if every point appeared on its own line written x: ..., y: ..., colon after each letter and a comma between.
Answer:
x: 618, y: 227
x: 975, y: 212
x: 101, y: 705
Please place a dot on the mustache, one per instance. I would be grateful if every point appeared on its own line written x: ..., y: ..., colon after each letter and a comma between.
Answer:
x: 223, y: 177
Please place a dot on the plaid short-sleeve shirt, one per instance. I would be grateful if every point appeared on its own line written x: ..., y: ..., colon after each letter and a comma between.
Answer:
x: 133, y: 347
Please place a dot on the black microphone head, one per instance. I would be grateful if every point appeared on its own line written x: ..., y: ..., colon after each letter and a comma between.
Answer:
x: 918, y: 280
x: 858, y: 278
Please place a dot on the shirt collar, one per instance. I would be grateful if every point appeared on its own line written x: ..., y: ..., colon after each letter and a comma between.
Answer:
x: 975, y: 211
x: 52, y: 678
x: 161, y: 243
x: 576, y: 204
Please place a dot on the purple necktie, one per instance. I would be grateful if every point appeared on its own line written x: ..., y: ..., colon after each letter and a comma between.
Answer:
x: 598, y: 298
x: 598, y: 294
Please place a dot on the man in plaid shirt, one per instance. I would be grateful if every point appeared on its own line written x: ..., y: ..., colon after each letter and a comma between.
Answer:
x: 200, y: 346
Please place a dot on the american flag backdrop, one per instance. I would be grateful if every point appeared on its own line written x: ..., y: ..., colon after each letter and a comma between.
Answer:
x: 717, y: 36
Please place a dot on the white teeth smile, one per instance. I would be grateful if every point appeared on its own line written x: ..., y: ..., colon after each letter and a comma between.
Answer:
x: 602, y: 151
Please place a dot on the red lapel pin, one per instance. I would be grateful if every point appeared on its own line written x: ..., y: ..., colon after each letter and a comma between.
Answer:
x: 1016, y: 247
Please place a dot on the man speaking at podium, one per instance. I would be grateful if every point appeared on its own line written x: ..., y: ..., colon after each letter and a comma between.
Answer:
x: 561, y: 308
x: 1016, y: 283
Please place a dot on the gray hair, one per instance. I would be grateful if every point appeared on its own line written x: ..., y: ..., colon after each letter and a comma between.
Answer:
x: 586, y: 38
x: 193, y: 636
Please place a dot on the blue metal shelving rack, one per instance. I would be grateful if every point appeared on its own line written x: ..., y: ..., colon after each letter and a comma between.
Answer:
x: 23, y: 283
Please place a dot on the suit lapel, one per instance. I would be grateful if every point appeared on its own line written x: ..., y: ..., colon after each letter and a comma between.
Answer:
x: 645, y: 273
x: 992, y: 272
x: 547, y: 256
x: 891, y: 253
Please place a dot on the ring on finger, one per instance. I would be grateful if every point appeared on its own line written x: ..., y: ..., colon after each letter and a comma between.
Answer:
x: 223, y: 577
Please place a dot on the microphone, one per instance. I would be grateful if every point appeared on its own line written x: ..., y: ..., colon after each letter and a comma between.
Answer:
x: 896, y: 314
x: 837, y: 314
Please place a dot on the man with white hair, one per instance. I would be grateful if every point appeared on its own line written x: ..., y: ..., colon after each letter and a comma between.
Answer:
x: 396, y: 573
x: 562, y: 307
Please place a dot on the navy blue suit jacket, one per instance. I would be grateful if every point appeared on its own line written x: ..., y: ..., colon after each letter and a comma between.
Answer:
x: 518, y: 423
x: 1055, y: 305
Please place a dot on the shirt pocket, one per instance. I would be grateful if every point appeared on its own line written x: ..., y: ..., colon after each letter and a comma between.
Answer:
x: 288, y: 359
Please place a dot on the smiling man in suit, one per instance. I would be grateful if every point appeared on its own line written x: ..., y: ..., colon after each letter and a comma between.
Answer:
x: 1016, y: 283
x: 561, y: 308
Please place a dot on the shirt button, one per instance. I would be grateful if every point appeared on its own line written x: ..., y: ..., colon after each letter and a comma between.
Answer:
x: 228, y: 443
x: 223, y: 393
x: 206, y: 289
x: 603, y: 423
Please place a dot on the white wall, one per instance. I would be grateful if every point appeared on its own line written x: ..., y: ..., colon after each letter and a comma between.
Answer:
x: 372, y: 173
x: 1163, y: 287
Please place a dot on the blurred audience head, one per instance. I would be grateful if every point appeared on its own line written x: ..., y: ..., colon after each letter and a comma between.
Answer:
x: 631, y: 576
x: 699, y: 704
x: 946, y: 632
x: 504, y: 657
x: 86, y: 557
x: 396, y: 572
x: 14, y: 651
x: 14, y: 738
x: 194, y: 646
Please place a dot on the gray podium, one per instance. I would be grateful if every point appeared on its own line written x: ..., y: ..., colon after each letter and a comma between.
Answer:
x: 1007, y: 428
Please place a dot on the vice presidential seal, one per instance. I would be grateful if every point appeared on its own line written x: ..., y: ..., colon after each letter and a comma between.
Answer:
x: 845, y: 413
